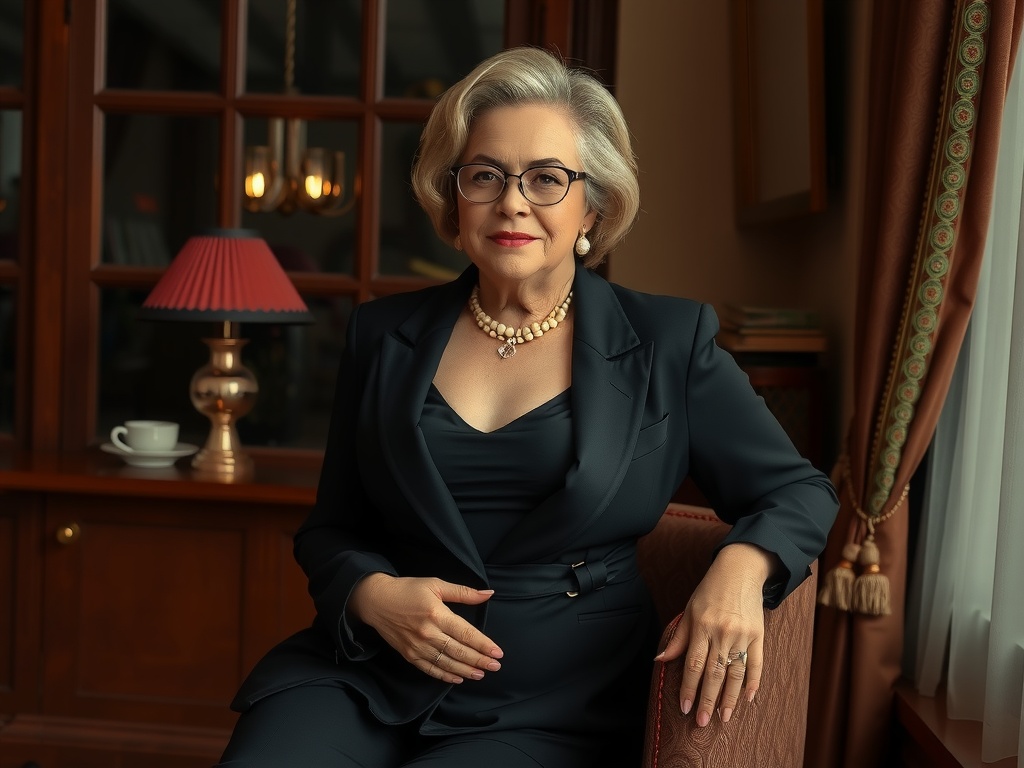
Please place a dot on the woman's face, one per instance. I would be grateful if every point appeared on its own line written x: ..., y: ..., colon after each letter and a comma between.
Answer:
x: 512, y: 238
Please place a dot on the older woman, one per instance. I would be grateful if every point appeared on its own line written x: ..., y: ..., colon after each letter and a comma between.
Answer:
x: 498, y: 445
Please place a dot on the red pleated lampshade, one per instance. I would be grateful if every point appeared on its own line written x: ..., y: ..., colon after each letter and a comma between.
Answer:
x: 226, y: 275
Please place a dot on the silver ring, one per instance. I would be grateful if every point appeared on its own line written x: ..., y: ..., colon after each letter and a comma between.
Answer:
x: 740, y: 656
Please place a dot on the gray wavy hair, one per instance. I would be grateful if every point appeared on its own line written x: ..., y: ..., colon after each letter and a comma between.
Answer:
x: 528, y: 75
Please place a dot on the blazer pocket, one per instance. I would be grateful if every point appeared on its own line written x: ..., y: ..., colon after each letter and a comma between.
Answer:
x: 651, y: 438
x: 614, y: 613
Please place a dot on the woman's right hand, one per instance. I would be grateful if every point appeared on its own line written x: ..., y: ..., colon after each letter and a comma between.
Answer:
x: 411, y: 615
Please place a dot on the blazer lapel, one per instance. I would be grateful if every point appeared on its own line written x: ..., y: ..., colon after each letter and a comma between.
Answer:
x: 610, y: 374
x: 409, y: 359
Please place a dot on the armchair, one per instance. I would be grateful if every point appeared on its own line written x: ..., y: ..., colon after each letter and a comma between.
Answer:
x: 768, y: 733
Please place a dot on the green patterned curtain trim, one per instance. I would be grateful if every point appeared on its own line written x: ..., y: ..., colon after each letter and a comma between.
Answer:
x: 857, y: 583
x: 940, y: 219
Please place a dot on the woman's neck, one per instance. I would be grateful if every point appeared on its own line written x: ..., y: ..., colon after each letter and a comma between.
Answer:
x: 522, y: 302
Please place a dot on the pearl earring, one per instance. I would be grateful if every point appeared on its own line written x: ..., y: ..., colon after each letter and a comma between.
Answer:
x: 582, y: 244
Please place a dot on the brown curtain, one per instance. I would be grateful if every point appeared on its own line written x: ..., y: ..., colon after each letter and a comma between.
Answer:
x: 939, y: 71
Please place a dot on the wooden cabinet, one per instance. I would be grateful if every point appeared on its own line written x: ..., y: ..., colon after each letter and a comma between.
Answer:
x: 20, y: 607
x: 794, y: 393
x: 132, y: 608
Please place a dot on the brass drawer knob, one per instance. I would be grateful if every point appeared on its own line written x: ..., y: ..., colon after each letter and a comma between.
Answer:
x: 68, y: 533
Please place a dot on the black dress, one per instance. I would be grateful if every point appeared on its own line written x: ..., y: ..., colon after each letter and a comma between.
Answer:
x: 495, y: 479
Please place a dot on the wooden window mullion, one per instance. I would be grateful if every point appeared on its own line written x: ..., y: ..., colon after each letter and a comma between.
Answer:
x: 231, y: 123
x: 367, y: 241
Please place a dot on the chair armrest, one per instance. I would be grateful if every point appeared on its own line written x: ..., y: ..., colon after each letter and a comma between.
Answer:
x: 770, y: 731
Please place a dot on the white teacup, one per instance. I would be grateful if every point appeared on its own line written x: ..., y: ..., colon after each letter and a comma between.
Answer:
x: 142, y: 436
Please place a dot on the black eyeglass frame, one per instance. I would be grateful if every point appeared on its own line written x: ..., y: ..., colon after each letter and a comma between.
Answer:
x: 505, y: 176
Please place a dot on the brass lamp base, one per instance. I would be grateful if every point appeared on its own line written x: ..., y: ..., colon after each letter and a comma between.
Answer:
x: 224, y: 390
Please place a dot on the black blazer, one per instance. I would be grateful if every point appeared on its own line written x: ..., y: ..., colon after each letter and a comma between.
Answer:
x: 653, y: 399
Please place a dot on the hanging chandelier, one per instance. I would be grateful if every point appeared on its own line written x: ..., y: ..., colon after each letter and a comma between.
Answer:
x: 284, y: 174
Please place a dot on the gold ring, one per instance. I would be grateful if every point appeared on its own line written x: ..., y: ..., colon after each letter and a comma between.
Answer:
x: 438, y: 657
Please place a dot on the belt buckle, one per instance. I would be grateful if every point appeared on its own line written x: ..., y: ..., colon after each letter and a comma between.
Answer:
x: 574, y: 567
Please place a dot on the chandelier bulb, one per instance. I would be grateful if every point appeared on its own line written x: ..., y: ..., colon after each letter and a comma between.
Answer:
x: 314, y: 187
x: 285, y: 175
x: 255, y: 185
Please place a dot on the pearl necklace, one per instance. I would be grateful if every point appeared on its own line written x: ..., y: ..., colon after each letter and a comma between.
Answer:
x: 512, y: 336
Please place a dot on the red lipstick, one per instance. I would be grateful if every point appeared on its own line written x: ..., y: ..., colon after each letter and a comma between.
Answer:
x: 512, y: 239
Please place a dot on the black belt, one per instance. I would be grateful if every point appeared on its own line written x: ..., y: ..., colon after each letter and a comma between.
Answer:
x: 518, y: 582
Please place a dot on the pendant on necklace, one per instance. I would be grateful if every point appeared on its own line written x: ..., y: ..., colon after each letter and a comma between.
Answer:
x: 506, y: 350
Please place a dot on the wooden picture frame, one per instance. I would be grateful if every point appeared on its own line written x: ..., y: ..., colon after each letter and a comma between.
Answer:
x: 779, y: 87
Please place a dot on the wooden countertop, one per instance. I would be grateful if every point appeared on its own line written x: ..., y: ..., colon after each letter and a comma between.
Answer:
x: 277, y: 479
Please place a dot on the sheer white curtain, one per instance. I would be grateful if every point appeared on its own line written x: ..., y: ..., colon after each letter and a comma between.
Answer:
x: 966, y: 605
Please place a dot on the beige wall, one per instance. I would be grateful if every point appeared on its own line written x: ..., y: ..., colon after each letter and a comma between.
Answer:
x: 674, y: 81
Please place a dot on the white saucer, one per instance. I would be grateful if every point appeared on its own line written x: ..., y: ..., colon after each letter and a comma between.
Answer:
x: 151, y: 459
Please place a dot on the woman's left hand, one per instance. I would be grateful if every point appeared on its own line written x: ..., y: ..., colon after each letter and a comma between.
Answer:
x: 721, y: 633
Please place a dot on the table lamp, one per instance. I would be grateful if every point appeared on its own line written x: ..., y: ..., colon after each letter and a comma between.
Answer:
x: 228, y: 276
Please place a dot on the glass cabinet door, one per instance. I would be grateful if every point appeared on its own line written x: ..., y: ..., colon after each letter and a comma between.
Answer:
x: 298, y: 119
x: 320, y: 100
x: 163, y: 46
x: 426, y: 50
x: 429, y: 46
x: 323, y: 57
x: 12, y: 22
x: 12, y: 55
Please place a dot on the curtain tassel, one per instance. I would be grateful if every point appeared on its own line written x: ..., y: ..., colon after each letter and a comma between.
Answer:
x: 837, y: 588
x: 871, y: 589
x: 869, y: 593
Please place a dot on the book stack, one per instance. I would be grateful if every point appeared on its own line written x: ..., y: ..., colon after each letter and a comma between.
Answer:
x: 770, y: 329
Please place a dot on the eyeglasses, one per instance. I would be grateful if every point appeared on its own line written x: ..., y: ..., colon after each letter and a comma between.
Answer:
x: 484, y: 183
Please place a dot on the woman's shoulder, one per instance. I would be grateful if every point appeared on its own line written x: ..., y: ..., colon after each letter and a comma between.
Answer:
x: 671, y: 322
x: 409, y: 313
x: 660, y: 313
x: 643, y: 300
